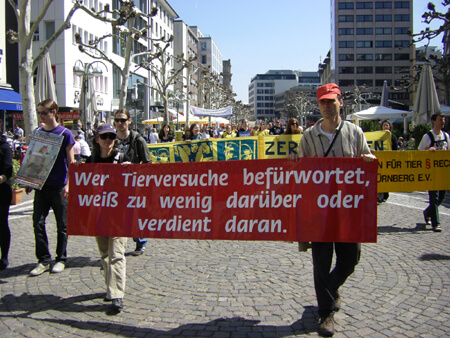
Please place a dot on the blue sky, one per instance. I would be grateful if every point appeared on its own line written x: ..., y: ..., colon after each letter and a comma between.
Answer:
x: 258, y: 35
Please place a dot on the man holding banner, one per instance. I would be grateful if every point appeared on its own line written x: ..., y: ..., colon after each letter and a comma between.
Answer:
x: 331, y: 136
x: 436, y: 139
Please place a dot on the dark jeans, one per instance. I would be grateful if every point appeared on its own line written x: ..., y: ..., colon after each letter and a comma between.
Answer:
x: 43, y: 200
x: 436, y: 199
x: 5, y: 233
x: 327, y: 283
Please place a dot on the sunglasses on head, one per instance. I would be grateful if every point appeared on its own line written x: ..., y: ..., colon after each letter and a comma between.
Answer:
x: 111, y: 136
x: 120, y: 120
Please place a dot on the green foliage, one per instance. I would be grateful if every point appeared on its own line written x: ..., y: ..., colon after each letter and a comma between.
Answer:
x: 398, y: 132
x: 16, y: 167
x: 418, y: 133
x: 369, y: 126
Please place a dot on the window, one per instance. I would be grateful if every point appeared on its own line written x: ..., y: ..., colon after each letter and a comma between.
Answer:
x: 74, y: 31
x: 383, y: 70
x: 383, y: 31
x: 346, y: 44
x: 364, y: 18
x: 401, y: 17
x: 380, y: 18
x: 346, y: 5
x: 383, y: 4
x: 380, y: 83
x: 401, y: 69
x: 364, y: 31
x: 344, y: 83
x: 345, y: 31
x: 346, y: 70
x: 368, y: 83
x: 401, y: 30
x: 401, y: 56
x: 364, y: 70
x: 401, y: 4
x: 383, y: 44
x: 364, y: 5
x: 399, y: 96
x: 204, y: 59
x: 345, y: 18
x: 383, y: 57
x: 401, y: 43
x: 36, y: 33
x: 364, y: 57
x: 346, y: 57
x: 364, y: 44
x: 203, y: 46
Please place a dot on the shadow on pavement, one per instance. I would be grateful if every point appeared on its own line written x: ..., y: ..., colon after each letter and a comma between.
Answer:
x: 420, y: 227
x: 228, y: 327
x: 434, y: 257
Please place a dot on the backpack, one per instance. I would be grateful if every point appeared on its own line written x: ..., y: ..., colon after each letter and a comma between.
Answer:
x: 439, y: 144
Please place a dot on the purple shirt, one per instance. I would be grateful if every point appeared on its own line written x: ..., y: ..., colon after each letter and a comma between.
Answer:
x: 58, y: 175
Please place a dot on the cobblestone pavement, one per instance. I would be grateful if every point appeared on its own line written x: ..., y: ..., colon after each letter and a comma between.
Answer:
x: 189, y: 288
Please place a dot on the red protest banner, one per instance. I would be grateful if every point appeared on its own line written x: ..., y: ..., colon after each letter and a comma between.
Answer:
x: 314, y: 199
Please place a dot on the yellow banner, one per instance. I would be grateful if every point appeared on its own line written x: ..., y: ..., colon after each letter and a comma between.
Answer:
x: 413, y: 170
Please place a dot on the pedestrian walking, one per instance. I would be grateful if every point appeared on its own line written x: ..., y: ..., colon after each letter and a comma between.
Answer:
x: 132, y: 144
x: 436, y: 139
x: 53, y: 194
x: 6, y: 169
x: 330, y: 137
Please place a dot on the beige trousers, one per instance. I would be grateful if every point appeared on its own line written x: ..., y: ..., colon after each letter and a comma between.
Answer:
x: 112, y: 254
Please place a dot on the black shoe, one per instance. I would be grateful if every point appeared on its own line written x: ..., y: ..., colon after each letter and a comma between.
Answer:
x: 117, y: 304
x: 138, y: 251
x: 3, y: 264
x: 326, y: 327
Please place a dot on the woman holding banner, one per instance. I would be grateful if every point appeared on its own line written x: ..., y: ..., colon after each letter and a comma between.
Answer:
x: 293, y: 127
x: 112, y: 249
x: 165, y: 134
x: 387, y: 126
x: 195, y: 132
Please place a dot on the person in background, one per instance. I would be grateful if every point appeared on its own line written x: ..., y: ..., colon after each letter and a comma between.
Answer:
x: 77, y: 148
x: 401, y: 143
x: 244, y: 130
x: 18, y: 131
x: 204, y: 133
x: 293, y: 127
x: 85, y: 151
x: 262, y: 130
x: 187, y: 134
x: 277, y: 129
x: 132, y: 144
x: 53, y: 194
x: 330, y: 136
x: 387, y: 126
x: 194, y: 130
x: 154, y: 138
x: 435, y: 140
x: 228, y: 133
x: 6, y: 170
x: 165, y: 134
x: 111, y: 249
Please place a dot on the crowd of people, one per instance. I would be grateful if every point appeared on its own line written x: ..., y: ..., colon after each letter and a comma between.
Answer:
x: 119, y: 144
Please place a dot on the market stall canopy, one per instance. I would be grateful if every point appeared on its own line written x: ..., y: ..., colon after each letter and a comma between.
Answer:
x: 157, y: 120
x: 220, y: 121
x: 10, y: 100
x: 445, y: 109
x: 426, y: 102
x: 192, y: 119
x: 380, y: 113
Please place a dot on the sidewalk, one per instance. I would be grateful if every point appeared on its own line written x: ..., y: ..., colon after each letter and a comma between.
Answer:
x: 190, y: 288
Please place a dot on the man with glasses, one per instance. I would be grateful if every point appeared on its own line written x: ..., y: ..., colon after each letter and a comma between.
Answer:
x: 53, y: 194
x: 132, y: 144
x: 277, y: 129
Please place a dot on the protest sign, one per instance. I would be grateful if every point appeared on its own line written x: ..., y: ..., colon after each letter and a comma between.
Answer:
x: 39, y: 159
x: 314, y: 199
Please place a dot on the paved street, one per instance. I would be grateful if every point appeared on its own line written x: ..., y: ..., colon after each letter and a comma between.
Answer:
x: 401, y: 288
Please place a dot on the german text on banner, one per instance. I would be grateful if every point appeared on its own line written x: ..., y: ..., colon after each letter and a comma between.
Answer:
x: 413, y: 170
x: 314, y: 199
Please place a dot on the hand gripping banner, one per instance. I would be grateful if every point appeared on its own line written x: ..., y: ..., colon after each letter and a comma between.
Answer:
x: 314, y: 199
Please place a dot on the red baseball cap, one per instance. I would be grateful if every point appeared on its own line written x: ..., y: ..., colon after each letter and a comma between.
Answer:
x: 328, y: 91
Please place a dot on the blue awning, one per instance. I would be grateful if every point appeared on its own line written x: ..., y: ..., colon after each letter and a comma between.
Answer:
x: 10, y: 100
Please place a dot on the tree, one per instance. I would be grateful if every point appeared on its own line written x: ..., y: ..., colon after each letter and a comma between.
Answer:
x: 27, y: 64
x: 299, y: 106
x: 129, y: 26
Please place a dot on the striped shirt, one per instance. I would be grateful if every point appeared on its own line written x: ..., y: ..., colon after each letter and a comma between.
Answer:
x: 350, y: 142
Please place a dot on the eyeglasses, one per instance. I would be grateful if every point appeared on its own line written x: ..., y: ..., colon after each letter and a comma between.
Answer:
x: 44, y: 113
x: 295, y: 124
x: 120, y: 120
x: 111, y: 136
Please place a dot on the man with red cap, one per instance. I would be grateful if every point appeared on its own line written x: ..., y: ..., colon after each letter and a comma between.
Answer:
x: 332, y: 137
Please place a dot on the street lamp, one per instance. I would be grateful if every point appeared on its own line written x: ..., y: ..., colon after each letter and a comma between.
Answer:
x: 87, y: 71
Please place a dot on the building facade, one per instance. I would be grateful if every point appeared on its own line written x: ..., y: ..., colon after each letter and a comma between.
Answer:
x: 370, y: 44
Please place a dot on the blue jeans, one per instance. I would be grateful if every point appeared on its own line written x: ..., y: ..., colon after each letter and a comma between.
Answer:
x: 43, y: 200
x: 140, y: 242
x: 436, y: 199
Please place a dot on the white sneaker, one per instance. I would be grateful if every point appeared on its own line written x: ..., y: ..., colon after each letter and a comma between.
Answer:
x: 58, y: 267
x: 39, y: 269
